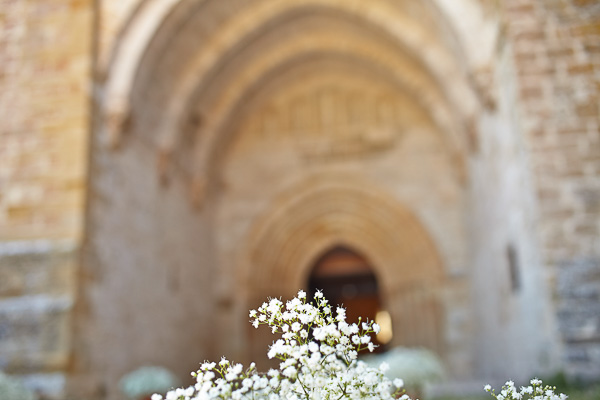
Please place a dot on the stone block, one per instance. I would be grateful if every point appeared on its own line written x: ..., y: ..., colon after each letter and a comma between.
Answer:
x: 34, y: 333
x: 49, y: 385
x: 36, y: 267
x: 36, y: 298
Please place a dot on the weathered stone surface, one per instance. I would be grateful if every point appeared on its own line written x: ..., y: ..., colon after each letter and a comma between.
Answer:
x: 36, y: 300
x: 452, y: 142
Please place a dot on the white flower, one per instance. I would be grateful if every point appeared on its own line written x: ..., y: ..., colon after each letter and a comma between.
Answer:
x: 325, y: 367
x: 341, y: 314
x: 237, y: 369
x: 528, y: 389
x: 376, y: 328
x: 487, y: 388
x: 156, y: 397
x: 206, y: 366
x: 384, y: 367
x: 290, y: 371
x: 172, y: 395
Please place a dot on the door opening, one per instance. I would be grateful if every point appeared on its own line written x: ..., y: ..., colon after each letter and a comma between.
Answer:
x: 347, y: 278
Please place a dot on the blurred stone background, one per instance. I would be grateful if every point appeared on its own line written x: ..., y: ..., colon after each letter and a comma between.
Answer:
x: 165, y: 165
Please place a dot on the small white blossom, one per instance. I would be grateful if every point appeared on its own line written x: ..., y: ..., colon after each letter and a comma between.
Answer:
x: 534, y: 392
x: 376, y: 328
x: 384, y: 367
x: 207, y: 366
x: 318, y: 354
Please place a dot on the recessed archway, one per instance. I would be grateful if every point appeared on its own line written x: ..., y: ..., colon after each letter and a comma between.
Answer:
x: 203, y: 83
x: 286, y: 245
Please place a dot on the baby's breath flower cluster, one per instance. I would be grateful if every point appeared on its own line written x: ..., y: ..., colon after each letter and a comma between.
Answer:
x: 535, y: 391
x: 318, y: 353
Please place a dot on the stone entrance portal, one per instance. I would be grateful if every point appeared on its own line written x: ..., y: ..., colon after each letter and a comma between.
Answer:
x: 366, y: 249
x: 252, y: 141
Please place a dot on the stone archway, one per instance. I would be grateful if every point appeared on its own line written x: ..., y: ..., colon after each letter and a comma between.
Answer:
x: 214, y: 91
x: 286, y: 244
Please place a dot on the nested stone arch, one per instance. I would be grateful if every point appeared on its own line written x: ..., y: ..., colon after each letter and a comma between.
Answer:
x: 221, y: 103
x: 213, y: 137
x: 284, y: 243
x: 439, y: 58
x: 360, y: 76
x: 123, y: 62
x: 258, y: 17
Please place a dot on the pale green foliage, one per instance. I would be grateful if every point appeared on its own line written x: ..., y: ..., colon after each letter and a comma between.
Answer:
x: 12, y: 389
x: 418, y: 367
x: 147, y: 380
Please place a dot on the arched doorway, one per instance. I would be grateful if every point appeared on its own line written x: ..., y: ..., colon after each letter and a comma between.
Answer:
x: 348, y: 279
x: 341, y: 233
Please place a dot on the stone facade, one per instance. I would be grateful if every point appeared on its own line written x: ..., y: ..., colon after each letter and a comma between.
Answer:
x: 557, y: 56
x: 45, y: 77
x: 167, y: 164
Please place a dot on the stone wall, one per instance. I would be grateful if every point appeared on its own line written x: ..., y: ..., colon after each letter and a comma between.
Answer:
x: 514, y: 312
x: 45, y: 62
x: 148, y: 296
x: 557, y: 56
x: 45, y: 115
